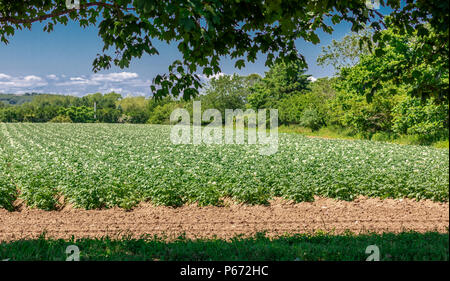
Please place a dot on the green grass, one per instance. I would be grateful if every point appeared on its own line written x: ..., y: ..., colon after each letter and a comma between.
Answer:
x: 441, y: 144
x: 407, y: 246
x: 324, y: 132
x: 347, y: 134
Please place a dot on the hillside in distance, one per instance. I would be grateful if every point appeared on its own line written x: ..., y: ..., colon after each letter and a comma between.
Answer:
x: 17, y: 99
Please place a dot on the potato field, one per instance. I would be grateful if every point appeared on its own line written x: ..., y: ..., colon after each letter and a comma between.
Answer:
x: 97, y: 166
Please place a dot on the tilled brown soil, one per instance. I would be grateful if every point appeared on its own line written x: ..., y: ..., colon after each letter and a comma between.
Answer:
x: 280, y: 217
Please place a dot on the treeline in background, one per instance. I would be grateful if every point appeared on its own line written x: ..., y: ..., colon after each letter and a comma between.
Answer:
x: 365, y: 99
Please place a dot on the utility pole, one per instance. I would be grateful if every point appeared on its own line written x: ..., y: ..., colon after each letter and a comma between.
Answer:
x: 95, y: 110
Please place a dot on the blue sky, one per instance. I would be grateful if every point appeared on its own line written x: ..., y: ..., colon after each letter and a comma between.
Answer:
x: 61, y: 62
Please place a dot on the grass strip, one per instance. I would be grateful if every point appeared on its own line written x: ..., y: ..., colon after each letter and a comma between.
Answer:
x: 405, y: 246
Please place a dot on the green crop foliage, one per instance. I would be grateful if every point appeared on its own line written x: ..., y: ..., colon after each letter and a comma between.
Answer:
x: 96, y: 166
x: 8, y: 193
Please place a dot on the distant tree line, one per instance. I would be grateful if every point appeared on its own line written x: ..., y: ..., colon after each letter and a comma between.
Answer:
x: 16, y: 99
x: 110, y: 108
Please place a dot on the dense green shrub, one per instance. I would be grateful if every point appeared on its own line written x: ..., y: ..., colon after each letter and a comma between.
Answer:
x: 382, y: 136
x: 61, y: 119
x: 108, y: 115
x: 136, y: 109
x: 280, y: 82
x: 79, y: 114
x: 138, y: 116
x: 311, y: 119
x: 161, y: 113
x: 427, y: 120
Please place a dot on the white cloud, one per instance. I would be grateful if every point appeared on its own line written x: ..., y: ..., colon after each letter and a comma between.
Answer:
x: 115, y: 90
x: 215, y: 76
x: 312, y: 79
x: 52, y: 77
x: 32, y: 78
x: 104, y: 80
x: 4, y: 76
x: 15, y: 83
x: 115, y: 77
x: 121, y: 82
x: 77, y: 81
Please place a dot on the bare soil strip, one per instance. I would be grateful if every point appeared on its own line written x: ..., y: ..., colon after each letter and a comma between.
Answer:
x: 360, y: 216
